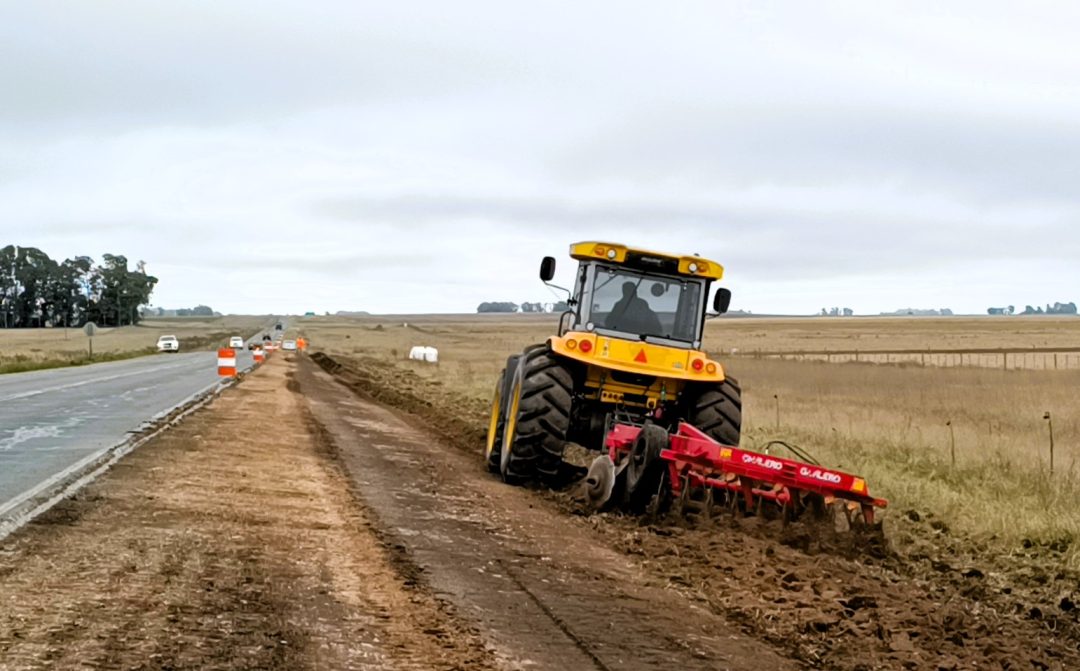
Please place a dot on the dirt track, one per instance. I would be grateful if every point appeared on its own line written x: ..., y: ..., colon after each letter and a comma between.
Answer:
x: 294, y: 524
x: 541, y: 587
x: 232, y: 542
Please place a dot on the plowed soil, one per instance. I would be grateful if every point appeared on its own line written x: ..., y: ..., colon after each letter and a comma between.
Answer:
x: 918, y: 598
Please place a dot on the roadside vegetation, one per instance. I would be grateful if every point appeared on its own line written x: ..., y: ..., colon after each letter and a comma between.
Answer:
x: 38, y: 349
x: 37, y: 291
x: 967, y: 447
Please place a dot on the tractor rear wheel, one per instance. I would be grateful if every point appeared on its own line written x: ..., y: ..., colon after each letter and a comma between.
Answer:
x: 717, y: 410
x: 493, y: 446
x: 537, y: 416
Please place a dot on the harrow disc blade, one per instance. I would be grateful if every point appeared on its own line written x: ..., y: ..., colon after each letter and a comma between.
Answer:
x: 599, y: 482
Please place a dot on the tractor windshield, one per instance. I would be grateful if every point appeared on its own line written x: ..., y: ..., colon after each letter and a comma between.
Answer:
x: 643, y: 305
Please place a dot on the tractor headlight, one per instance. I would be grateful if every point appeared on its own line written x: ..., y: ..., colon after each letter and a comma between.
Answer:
x: 693, y: 267
x: 611, y: 253
x: 590, y: 327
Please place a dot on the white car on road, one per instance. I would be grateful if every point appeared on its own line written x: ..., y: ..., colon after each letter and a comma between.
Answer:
x: 236, y: 342
x: 289, y: 345
x: 168, y: 343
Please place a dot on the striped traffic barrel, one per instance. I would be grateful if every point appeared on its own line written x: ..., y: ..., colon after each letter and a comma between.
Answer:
x: 226, y: 362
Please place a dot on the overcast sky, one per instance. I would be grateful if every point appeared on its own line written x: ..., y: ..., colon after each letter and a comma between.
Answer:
x: 423, y: 156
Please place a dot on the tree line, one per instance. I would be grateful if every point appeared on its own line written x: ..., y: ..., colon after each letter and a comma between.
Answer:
x: 36, y: 290
x: 507, y: 306
x: 1055, y: 309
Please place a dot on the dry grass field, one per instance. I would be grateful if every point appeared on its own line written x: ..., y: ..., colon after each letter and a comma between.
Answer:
x: 28, y: 349
x: 895, y: 424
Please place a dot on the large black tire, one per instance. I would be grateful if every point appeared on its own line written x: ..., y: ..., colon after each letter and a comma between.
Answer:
x: 497, y: 420
x: 645, y: 469
x: 717, y: 410
x: 534, y: 436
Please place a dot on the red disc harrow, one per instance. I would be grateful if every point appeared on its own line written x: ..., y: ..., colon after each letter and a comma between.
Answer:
x: 693, y: 473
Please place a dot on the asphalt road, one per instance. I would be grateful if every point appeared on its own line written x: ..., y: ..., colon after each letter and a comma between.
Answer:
x: 51, y: 420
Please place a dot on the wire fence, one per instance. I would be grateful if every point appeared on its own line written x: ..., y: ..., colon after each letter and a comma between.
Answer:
x: 1030, y: 358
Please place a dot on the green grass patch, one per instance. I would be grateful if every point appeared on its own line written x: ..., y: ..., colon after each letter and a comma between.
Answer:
x: 21, y: 363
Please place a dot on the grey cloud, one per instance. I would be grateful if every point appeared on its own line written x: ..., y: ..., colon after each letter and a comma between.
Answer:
x: 979, y: 156
x: 874, y: 141
x: 778, y: 243
x: 124, y: 64
x: 332, y: 265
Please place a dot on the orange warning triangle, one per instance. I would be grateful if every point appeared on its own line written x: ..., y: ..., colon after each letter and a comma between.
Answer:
x: 641, y: 358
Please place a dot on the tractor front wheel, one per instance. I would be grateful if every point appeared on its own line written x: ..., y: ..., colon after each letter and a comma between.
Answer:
x: 497, y: 421
x: 537, y: 417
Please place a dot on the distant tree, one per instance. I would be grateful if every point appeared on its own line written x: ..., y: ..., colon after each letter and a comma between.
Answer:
x: 202, y: 311
x: 497, y: 306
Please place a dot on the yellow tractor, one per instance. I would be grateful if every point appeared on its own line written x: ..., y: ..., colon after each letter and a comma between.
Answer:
x: 628, y: 350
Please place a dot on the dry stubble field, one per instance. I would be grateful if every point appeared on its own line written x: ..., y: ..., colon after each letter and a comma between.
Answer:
x: 891, y: 423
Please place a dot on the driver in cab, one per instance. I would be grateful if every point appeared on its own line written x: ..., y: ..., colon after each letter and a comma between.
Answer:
x: 632, y: 314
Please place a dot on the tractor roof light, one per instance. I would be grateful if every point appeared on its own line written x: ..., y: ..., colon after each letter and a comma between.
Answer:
x: 611, y: 254
x: 693, y: 267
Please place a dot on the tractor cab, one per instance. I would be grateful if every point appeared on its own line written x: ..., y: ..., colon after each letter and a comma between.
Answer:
x: 634, y: 311
x: 640, y: 295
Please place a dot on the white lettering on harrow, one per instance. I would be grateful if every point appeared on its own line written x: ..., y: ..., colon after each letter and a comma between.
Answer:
x: 764, y: 462
x: 818, y: 474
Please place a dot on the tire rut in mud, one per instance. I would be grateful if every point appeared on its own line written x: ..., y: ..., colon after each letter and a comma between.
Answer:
x: 926, y: 599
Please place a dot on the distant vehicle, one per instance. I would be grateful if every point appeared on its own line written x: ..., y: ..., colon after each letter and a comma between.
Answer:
x: 236, y: 342
x: 266, y: 337
x: 279, y: 326
x: 168, y: 343
x: 254, y: 345
x: 289, y: 345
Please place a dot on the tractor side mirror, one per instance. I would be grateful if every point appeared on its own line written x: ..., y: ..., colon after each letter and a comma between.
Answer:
x: 722, y: 300
x: 547, y: 268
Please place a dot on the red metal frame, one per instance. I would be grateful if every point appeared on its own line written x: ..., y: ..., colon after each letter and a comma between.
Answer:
x: 704, y: 462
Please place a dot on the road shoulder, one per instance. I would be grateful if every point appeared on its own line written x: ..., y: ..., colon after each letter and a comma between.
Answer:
x: 230, y: 542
